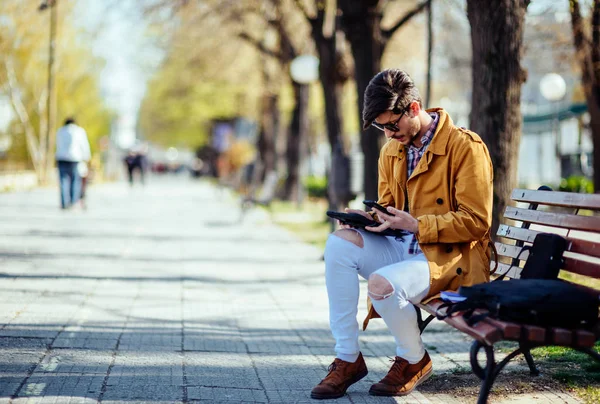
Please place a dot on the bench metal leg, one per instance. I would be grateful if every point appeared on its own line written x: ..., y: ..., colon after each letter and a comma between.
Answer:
x: 590, y: 351
x: 426, y: 323
x: 533, y: 370
x: 486, y: 375
x: 492, y: 369
x: 422, y: 323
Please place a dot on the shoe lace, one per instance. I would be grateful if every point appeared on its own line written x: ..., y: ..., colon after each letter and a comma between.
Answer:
x: 396, y: 373
x: 332, y: 376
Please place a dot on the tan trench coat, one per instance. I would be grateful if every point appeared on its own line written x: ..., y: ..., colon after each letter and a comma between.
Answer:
x: 450, y: 194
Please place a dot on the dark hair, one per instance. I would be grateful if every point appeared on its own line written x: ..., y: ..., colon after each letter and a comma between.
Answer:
x: 390, y: 90
x: 69, y: 120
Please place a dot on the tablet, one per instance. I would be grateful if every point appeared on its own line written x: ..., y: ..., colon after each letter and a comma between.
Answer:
x: 358, y: 221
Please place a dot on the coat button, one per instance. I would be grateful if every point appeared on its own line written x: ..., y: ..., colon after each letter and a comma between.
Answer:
x: 458, y: 271
x: 439, y: 201
x: 449, y: 249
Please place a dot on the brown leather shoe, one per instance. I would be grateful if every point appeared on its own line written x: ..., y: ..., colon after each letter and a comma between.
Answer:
x: 403, y: 377
x: 341, y: 375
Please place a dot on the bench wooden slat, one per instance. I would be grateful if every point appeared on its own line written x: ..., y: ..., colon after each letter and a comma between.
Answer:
x: 555, y: 198
x: 511, y: 251
x: 534, y: 333
x: 510, y: 331
x: 565, y: 221
x: 513, y: 271
x: 572, y: 264
x: 517, y: 233
x: 491, y: 330
x: 576, y: 245
x: 561, y: 336
x: 585, y: 338
x: 581, y: 267
x: 585, y: 247
x: 431, y: 306
x: 482, y: 331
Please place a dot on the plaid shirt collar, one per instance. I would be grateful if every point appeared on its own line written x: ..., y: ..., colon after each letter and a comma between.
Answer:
x: 426, y: 139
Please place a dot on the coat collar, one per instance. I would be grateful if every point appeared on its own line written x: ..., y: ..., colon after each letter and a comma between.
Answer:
x: 438, y: 143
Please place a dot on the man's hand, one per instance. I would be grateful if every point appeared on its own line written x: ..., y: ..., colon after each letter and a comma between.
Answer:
x: 400, y: 220
x: 360, y: 212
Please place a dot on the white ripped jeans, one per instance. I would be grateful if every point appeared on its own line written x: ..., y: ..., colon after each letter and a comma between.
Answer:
x: 389, y: 258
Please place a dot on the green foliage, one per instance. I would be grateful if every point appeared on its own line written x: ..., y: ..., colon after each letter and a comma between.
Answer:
x: 305, y: 221
x: 577, y: 370
x: 316, y: 186
x: 176, y: 113
x: 24, y: 54
x: 576, y: 183
x: 203, y: 77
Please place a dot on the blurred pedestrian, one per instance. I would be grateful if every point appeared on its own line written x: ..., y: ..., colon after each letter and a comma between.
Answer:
x: 84, y: 172
x: 136, y: 160
x: 72, y: 147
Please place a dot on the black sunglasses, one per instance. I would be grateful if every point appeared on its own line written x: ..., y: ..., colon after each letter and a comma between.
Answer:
x: 391, y: 126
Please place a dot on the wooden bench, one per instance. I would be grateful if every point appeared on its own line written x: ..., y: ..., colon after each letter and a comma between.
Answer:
x: 264, y: 197
x: 574, y: 216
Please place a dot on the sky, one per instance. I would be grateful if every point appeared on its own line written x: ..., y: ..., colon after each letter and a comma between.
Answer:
x: 117, y: 31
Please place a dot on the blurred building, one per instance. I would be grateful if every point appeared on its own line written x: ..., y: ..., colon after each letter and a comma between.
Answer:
x: 555, y: 144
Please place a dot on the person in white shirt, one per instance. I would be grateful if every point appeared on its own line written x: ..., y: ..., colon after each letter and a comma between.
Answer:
x: 72, y: 147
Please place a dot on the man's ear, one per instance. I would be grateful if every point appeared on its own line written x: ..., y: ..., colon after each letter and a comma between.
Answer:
x: 414, y: 108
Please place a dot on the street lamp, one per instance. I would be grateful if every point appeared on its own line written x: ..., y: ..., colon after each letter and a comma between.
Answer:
x: 304, y: 70
x: 553, y: 89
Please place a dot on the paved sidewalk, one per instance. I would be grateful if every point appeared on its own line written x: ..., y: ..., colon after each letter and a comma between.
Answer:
x: 161, y: 295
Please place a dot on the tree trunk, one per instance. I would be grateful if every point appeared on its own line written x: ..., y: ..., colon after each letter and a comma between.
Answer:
x: 33, y: 147
x: 497, y: 40
x: 361, y: 21
x: 333, y: 75
x: 295, y: 143
x: 331, y: 89
x: 594, y: 111
x: 266, y: 140
x: 47, y: 145
x: 429, y: 55
x: 587, y: 52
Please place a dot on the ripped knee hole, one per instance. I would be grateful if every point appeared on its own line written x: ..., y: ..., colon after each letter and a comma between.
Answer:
x: 379, y: 288
x: 352, y: 236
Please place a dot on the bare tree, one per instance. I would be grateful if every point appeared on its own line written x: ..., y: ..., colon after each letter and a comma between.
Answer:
x: 497, y: 41
x: 284, y: 53
x: 333, y: 74
x: 368, y: 39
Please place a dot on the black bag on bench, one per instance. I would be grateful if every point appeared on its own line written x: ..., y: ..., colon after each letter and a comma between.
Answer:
x: 545, y: 257
x: 542, y: 302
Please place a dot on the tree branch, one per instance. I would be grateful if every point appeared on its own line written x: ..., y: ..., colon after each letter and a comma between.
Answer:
x: 387, y: 33
x: 259, y: 46
x: 300, y: 5
x: 21, y: 112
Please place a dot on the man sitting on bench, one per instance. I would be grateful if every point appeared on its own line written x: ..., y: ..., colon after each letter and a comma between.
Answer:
x: 436, y: 181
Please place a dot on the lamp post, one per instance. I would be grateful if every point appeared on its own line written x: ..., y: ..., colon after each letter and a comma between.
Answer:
x: 304, y: 70
x: 553, y: 89
x: 48, y: 139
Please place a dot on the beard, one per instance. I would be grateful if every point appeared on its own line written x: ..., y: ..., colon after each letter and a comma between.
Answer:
x: 413, y: 129
x: 412, y: 132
